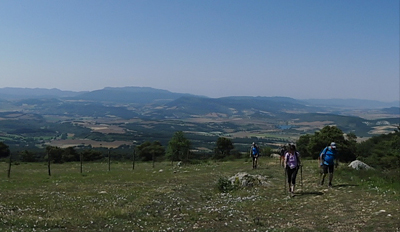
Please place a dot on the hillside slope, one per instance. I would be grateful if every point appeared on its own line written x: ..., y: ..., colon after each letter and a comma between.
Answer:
x: 185, y: 198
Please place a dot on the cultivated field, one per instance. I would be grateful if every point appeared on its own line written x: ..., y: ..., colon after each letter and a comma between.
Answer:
x: 171, y: 198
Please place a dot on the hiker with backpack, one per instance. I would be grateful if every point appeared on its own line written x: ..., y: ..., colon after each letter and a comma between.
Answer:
x: 282, y: 155
x: 327, y: 161
x: 292, y: 163
x: 254, y: 153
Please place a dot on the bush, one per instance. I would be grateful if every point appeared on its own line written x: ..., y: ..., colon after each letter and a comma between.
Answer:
x: 224, y: 185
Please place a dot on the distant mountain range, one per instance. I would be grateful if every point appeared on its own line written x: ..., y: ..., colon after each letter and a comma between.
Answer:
x: 352, y: 103
x: 147, y: 95
x: 18, y: 105
x: 138, y: 95
x: 24, y: 93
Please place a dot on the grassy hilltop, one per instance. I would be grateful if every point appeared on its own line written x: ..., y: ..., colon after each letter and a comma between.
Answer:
x: 186, y: 198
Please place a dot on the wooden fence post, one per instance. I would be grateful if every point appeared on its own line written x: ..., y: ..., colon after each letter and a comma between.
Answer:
x: 9, y: 167
x: 152, y: 154
x: 81, y: 159
x: 133, y: 162
x: 109, y: 160
x: 48, y: 163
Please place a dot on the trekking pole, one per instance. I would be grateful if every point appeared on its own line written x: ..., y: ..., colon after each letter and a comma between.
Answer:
x: 284, y: 169
x: 301, y: 175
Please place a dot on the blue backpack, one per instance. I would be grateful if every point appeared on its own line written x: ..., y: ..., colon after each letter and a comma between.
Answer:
x: 254, y: 151
x: 328, y: 158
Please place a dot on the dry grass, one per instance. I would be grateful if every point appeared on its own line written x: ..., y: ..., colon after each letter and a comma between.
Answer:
x: 167, y: 198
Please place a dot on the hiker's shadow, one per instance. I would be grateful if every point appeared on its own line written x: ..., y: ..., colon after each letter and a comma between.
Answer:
x: 317, y: 193
x: 344, y: 185
x: 305, y: 193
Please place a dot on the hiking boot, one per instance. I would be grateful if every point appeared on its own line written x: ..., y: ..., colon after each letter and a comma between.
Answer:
x: 322, y: 182
x: 330, y: 185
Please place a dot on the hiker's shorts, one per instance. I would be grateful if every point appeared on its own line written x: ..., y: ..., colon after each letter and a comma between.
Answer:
x: 328, y: 168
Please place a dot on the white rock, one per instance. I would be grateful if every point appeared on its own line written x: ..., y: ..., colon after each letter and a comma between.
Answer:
x: 245, y: 179
x: 356, y: 164
x: 275, y: 155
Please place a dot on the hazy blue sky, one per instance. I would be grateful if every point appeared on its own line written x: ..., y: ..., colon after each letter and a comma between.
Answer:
x: 300, y: 49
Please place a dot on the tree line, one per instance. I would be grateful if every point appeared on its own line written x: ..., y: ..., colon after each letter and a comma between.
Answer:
x: 382, y: 152
x: 379, y: 151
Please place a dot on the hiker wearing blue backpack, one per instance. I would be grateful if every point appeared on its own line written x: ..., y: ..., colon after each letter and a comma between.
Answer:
x: 254, y: 153
x: 292, y: 164
x: 282, y: 156
x: 328, y: 161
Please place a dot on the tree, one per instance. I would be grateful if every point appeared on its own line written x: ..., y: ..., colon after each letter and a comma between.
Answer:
x: 349, y: 149
x: 223, y: 148
x: 323, y: 138
x: 178, y: 147
x: 381, y: 151
x: 147, y: 150
x: 70, y: 154
x: 54, y: 154
x: 27, y: 156
x: 91, y: 155
x: 312, y: 145
x: 302, y: 145
x: 266, y: 151
x: 4, y: 150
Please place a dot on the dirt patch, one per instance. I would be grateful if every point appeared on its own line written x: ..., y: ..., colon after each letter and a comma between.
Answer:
x: 378, y: 130
x: 86, y: 142
x: 310, y: 126
x: 108, y: 129
x: 101, y: 127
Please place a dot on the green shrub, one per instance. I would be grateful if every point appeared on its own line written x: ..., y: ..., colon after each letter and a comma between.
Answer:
x: 224, y: 185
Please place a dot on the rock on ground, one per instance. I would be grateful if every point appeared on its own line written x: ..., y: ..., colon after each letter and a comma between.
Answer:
x: 244, y: 179
x: 356, y: 164
x: 275, y: 155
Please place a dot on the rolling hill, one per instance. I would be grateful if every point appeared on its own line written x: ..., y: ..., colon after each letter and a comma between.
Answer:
x: 163, y: 111
x: 134, y: 95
